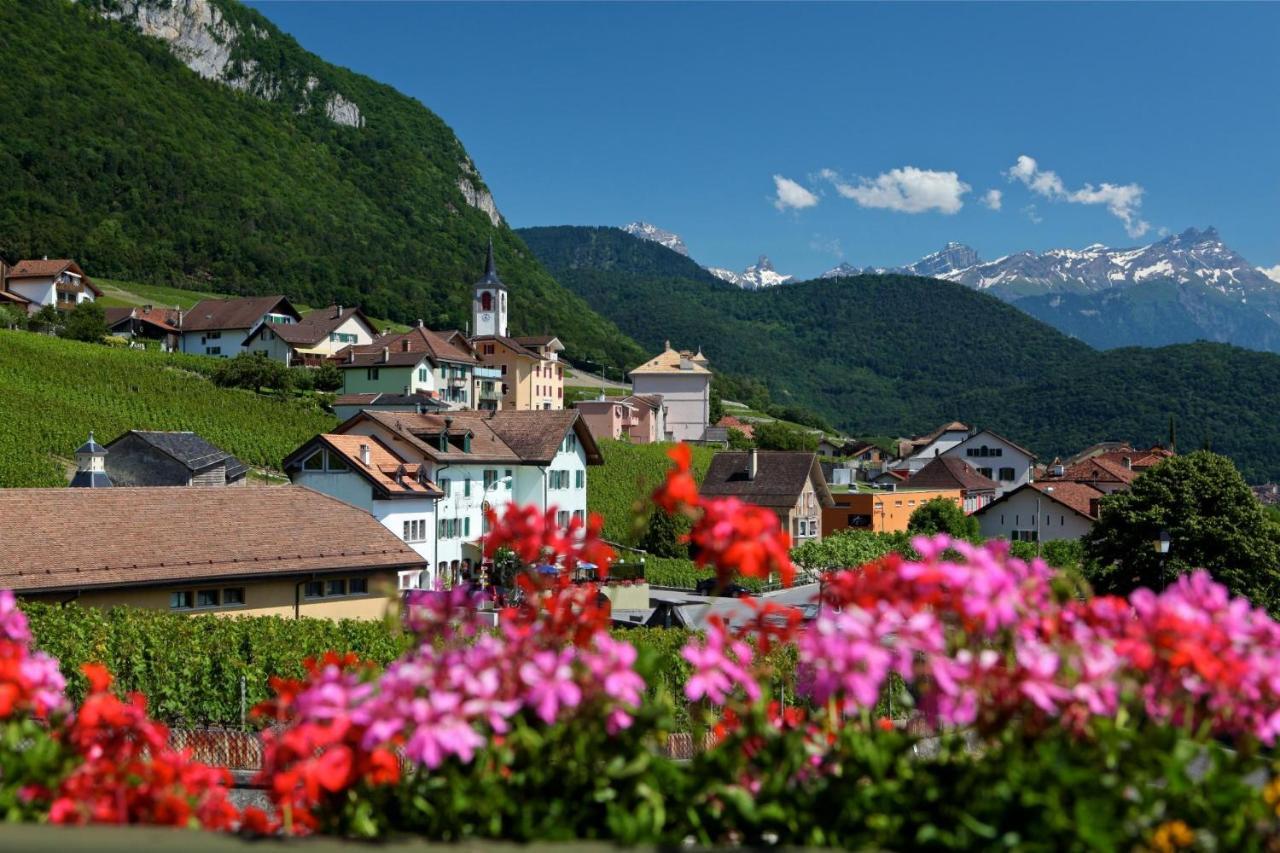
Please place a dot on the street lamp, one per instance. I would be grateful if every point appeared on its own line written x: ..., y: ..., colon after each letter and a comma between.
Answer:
x: 484, y: 505
x: 1161, y: 544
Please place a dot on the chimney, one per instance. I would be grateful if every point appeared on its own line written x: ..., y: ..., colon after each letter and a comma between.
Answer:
x: 386, y: 354
x: 351, y: 355
x: 337, y: 311
x: 420, y: 323
x: 753, y: 464
x: 1128, y: 462
x: 364, y: 455
x: 146, y: 309
x: 404, y: 344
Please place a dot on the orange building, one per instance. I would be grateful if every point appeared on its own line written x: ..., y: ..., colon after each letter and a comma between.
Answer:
x: 881, y: 511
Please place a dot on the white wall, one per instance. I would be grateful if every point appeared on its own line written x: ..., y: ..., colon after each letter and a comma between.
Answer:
x: 202, y: 343
x: 1018, y: 512
x: 39, y: 291
x: 269, y: 343
x: 1009, y: 457
x: 356, y: 490
x: 937, y: 447
x: 687, y: 399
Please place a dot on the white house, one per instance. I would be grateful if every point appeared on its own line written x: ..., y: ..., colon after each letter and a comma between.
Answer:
x: 996, y: 458
x: 463, y: 460
x: 33, y: 284
x: 920, y: 451
x: 318, y: 335
x: 684, y: 383
x: 220, y: 327
x: 419, y: 361
x: 1041, y: 512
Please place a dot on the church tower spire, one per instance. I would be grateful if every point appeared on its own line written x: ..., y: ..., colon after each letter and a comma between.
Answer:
x: 489, y: 301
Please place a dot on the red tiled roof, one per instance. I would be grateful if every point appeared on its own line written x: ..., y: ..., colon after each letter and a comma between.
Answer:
x: 1080, y: 497
x: 1096, y: 470
x: 532, y: 437
x: 1139, y: 459
x: 384, y: 465
x: 730, y: 422
x: 154, y: 535
x: 165, y: 319
x: 402, y: 346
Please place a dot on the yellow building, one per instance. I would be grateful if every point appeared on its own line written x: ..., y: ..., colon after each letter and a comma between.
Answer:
x: 881, y: 511
x: 529, y: 372
x: 254, y: 551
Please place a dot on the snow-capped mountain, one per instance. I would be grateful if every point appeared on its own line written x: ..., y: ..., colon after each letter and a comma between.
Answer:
x: 759, y: 275
x: 1193, y: 256
x: 661, y: 236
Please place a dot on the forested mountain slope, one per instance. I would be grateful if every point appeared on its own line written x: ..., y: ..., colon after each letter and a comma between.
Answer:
x: 899, y: 354
x: 268, y: 171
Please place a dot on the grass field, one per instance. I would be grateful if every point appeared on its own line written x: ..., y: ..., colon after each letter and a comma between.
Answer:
x: 630, y: 473
x: 53, y: 392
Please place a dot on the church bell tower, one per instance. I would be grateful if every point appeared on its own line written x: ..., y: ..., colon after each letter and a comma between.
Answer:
x: 489, y: 301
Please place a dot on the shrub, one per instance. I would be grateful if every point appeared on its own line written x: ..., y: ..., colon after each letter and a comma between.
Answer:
x: 252, y: 371
x: 775, y: 435
x: 940, y: 515
x: 86, y: 322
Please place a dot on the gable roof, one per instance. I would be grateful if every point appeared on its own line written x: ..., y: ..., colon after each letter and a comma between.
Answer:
x: 510, y: 343
x: 401, y: 346
x: 1139, y: 459
x: 48, y: 268
x: 522, y: 437
x: 188, y: 449
x: 550, y: 342
x: 148, y: 535
x: 1096, y: 469
x: 780, y: 477
x: 17, y: 298
x: 922, y: 441
x: 165, y: 319
x: 315, y: 326
x: 998, y: 437
x: 674, y: 361
x: 209, y: 315
x: 1080, y: 498
x: 950, y: 472
x: 387, y: 471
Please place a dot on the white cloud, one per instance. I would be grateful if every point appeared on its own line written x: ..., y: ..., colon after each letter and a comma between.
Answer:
x: 906, y: 190
x: 1123, y: 201
x: 1031, y: 213
x: 791, y: 195
x: 1272, y: 273
x: 993, y: 199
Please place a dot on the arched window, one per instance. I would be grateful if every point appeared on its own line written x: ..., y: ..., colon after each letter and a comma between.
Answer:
x: 486, y: 301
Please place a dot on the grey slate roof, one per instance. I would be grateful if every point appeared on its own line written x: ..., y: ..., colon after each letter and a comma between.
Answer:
x: 190, y: 450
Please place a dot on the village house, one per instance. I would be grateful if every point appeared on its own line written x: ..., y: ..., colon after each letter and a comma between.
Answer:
x: 745, y: 427
x: 219, y: 327
x: 473, y: 459
x: 996, y: 458
x: 683, y: 380
x: 881, y: 511
x: 1099, y: 472
x: 918, y: 452
x: 148, y: 458
x: 318, y: 335
x: 412, y: 362
x: 1041, y: 512
x: 257, y: 551
x: 147, y: 323
x: 525, y: 377
x: 639, y: 418
x: 30, y: 285
x: 952, y: 473
x: 788, y: 482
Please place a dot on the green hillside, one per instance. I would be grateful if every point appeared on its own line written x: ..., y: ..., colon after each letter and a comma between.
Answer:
x: 629, y: 475
x: 117, y: 154
x: 891, y: 355
x: 53, y: 391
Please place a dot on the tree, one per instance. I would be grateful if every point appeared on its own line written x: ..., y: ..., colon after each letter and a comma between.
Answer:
x: 716, y: 409
x: 12, y: 318
x: 253, y: 371
x: 662, y: 537
x: 775, y: 435
x: 46, y: 320
x: 940, y: 515
x: 328, y: 377
x: 739, y: 440
x: 1213, y: 521
x: 86, y: 322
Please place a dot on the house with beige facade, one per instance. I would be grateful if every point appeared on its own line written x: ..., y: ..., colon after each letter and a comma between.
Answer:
x: 317, y: 336
x: 30, y: 285
x: 638, y: 418
x: 527, y: 372
x: 788, y: 482
x: 683, y: 380
x: 255, y: 551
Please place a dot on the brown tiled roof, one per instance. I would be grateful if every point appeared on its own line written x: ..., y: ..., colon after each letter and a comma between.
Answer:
x: 1080, y: 497
x: 153, y: 535
x: 780, y: 477
x: 539, y: 341
x: 1096, y: 470
x: 948, y: 472
x: 47, y: 268
x: 929, y: 438
x: 315, y: 326
x: 1139, y: 459
x: 162, y: 318
x: 403, y: 346
x: 17, y: 298
x: 511, y: 344
x: 387, y: 471
x: 531, y: 437
x: 241, y: 313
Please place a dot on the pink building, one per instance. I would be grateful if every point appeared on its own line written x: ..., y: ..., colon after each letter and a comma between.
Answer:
x: 640, y: 418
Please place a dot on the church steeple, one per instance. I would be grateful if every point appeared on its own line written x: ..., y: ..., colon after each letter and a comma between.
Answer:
x: 489, y: 300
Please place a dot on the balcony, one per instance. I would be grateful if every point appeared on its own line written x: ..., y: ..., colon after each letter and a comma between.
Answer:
x: 487, y: 372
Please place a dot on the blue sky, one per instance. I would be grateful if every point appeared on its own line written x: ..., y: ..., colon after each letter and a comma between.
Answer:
x: 861, y: 132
